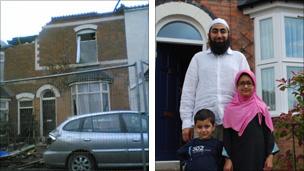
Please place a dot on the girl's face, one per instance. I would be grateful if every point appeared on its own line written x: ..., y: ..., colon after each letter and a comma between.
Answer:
x: 245, y: 86
x: 204, y: 129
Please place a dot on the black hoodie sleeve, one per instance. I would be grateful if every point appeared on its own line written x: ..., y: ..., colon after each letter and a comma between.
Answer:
x: 269, y: 139
x: 183, y: 152
x: 227, y: 141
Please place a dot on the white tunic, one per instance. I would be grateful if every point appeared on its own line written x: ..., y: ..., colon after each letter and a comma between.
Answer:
x: 209, y: 84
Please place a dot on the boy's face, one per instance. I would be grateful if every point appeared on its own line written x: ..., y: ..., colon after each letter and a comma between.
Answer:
x: 204, y: 128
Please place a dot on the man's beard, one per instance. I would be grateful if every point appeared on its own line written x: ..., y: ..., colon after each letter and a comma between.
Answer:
x: 219, y: 48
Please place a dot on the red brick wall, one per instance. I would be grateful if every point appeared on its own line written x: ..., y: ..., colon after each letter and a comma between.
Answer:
x: 20, y: 62
x: 111, y: 40
x: 119, y: 94
x: 59, y: 45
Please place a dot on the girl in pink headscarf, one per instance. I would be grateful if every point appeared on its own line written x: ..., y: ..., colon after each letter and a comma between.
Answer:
x: 248, y: 138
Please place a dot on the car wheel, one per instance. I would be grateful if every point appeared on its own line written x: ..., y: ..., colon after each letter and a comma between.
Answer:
x: 81, y: 161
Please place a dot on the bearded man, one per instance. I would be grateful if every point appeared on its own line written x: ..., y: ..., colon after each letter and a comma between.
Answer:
x: 209, y: 81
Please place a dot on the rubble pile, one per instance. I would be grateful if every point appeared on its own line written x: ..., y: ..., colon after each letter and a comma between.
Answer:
x: 21, y: 156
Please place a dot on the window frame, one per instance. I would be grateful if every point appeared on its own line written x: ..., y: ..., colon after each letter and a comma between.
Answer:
x: 23, y: 97
x: 285, y: 93
x: 143, y: 118
x: 6, y: 108
x: 80, y: 120
x: 80, y: 30
x: 78, y: 38
x: 285, y: 57
x: 280, y: 60
x: 117, y: 116
x: 76, y: 94
x: 273, y: 38
x: 188, y: 21
x: 20, y: 108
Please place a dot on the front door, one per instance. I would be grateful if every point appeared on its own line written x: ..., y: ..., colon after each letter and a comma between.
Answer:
x: 171, y: 65
x: 48, y: 112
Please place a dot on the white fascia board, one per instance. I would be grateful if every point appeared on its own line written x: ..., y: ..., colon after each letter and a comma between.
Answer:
x: 83, y: 22
x: 268, y: 6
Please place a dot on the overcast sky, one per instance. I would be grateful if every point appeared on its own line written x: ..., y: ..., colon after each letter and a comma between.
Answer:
x: 26, y: 18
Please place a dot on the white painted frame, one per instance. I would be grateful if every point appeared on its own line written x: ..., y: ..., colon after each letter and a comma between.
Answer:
x: 40, y: 93
x: 100, y: 93
x: 180, y: 11
x: 84, y: 29
x: 278, y: 11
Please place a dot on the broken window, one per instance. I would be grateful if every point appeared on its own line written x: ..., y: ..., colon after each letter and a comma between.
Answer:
x: 90, y: 97
x: 86, y: 47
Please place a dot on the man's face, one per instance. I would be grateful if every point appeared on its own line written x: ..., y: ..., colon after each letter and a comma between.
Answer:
x: 218, y: 33
x: 219, y: 39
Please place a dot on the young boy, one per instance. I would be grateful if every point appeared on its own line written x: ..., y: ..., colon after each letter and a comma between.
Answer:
x: 204, y: 152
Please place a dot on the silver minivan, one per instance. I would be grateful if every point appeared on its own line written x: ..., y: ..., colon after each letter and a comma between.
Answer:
x: 106, y: 139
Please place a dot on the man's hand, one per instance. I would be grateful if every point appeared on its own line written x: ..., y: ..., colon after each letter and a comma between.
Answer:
x: 228, y: 165
x: 268, y: 163
x: 187, y: 134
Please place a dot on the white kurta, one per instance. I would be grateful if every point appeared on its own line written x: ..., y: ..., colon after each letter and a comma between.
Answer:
x: 209, y: 84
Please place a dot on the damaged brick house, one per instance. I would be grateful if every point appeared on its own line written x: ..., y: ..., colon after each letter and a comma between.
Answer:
x: 77, y: 64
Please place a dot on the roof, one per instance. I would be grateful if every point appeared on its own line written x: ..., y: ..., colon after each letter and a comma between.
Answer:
x: 250, y: 3
x: 22, y: 40
x: 138, y: 7
x: 3, y: 44
x: 83, y: 16
x: 92, y: 15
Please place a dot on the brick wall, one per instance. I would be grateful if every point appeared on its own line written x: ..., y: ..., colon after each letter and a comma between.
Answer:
x: 111, y: 40
x: 119, y: 94
x: 19, y: 62
x: 59, y: 45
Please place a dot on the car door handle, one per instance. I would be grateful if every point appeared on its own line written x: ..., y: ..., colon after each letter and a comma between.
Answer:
x: 136, y: 140
x: 86, y: 139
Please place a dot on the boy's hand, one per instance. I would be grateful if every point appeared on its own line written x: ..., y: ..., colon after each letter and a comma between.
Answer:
x: 268, y: 163
x: 187, y: 134
x: 228, y: 165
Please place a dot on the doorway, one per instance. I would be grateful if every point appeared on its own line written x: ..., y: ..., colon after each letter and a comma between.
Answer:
x: 48, y: 112
x: 171, y: 65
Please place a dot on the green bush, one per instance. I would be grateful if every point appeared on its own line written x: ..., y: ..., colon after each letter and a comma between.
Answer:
x: 290, y: 126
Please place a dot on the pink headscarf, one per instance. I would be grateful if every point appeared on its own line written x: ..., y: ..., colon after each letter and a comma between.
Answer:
x: 240, y: 111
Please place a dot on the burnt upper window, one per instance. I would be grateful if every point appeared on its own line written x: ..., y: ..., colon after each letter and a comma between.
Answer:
x: 86, y: 44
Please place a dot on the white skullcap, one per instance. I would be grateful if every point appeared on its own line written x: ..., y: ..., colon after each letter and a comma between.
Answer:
x: 219, y: 21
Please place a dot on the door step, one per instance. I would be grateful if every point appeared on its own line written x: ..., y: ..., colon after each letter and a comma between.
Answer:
x: 171, y: 165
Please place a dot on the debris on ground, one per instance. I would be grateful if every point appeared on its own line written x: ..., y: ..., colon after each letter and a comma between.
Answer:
x: 24, y: 156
